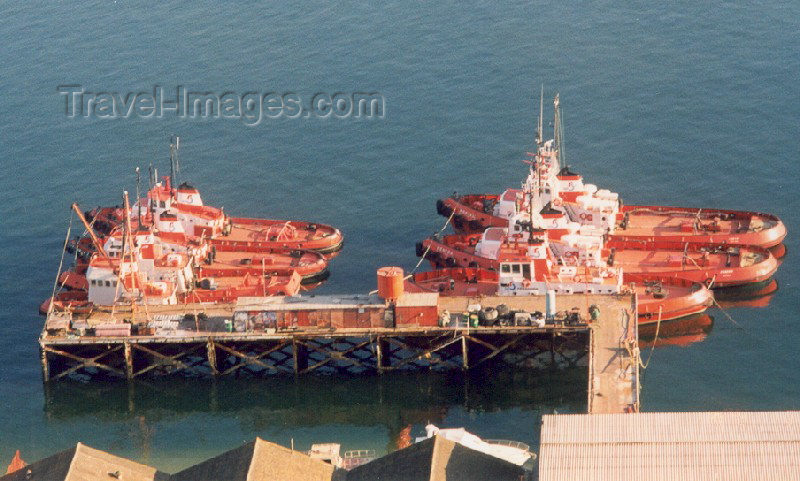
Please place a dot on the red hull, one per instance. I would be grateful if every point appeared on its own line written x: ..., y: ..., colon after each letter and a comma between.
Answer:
x: 73, y: 301
x: 724, y: 266
x: 231, y: 294
x: 663, y: 223
x: 246, y: 234
x: 647, y: 223
x: 308, y: 264
x: 225, y: 289
x: 682, y: 298
x: 637, y: 259
x: 471, y: 213
x: 73, y: 280
x: 759, y: 298
x: 262, y: 235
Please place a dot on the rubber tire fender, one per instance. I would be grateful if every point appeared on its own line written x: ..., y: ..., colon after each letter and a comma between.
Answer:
x: 476, y: 225
x: 420, y: 249
x: 443, y: 209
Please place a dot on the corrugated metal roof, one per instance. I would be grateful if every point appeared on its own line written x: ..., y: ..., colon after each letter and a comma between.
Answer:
x: 703, y: 446
x: 307, y: 302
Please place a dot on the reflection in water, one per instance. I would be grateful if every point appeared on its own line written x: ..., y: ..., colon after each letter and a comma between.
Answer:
x: 760, y: 298
x: 680, y: 332
x: 392, y: 402
x: 316, y: 399
x: 686, y: 331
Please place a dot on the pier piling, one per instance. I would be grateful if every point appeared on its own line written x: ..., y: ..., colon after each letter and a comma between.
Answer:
x: 211, y: 353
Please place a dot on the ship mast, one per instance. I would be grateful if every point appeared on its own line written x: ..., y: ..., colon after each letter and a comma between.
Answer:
x: 540, y: 137
x: 133, y: 255
x: 138, y: 196
x: 97, y: 245
x: 174, y: 166
x: 539, y: 130
x: 530, y: 212
x: 152, y: 210
x: 153, y: 176
x: 127, y: 243
x: 557, y: 131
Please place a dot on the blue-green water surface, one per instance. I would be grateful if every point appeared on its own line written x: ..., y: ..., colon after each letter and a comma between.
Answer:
x: 684, y: 104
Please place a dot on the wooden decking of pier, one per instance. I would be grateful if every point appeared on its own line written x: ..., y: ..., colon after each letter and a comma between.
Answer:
x: 350, y: 335
x: 614, y: 363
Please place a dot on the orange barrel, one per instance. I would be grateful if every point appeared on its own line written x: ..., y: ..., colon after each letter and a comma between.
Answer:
x: 390, y: 282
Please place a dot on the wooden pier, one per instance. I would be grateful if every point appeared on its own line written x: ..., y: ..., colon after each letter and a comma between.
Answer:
x: 348, y: 335
x: 350, y: 351
x: 614, y: 363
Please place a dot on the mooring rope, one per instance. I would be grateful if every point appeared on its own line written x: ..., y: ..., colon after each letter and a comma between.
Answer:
x: 60, y: 266
x: 714, y: 298
x: 655, y: 340
x: 738, y: 326
x: 422, y: 257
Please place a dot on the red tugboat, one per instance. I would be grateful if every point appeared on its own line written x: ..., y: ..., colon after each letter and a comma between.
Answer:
x: 588, y: 205
x: 167, y: 234
x: 239, y: 233
x: 198, y: 219
x: 122, y: 282
x: 572, y: 244
x: 310, y: 265
x: 731, y: 271
x: 139, y: 268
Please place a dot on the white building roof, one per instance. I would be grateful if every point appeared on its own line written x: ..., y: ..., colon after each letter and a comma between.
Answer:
x: 707, y: 446
x: 280, y: 303
x: 418, y: 299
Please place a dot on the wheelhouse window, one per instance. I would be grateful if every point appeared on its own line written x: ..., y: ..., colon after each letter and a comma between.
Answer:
x: 526, y: 271
x: 505, y: 268
x: 515, y: 268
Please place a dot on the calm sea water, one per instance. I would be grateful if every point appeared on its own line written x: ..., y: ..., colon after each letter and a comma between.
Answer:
x: 681, y: 104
